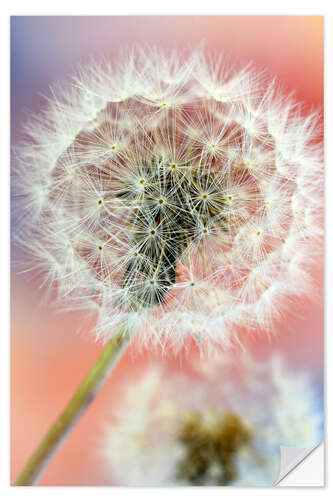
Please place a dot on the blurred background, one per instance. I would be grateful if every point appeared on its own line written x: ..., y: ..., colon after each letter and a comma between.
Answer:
x: 51, y: 351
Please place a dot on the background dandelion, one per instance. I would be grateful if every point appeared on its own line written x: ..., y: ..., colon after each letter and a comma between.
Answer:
x: 222, y: 425
x: 307, y: 90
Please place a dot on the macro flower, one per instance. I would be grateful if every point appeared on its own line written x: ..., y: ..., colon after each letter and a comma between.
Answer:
x: 175, y: 196
x: 221, y: 424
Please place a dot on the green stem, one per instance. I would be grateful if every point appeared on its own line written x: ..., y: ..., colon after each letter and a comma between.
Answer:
x: 73, y: 411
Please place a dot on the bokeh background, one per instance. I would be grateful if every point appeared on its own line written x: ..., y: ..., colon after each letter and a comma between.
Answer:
x: 52, y: 351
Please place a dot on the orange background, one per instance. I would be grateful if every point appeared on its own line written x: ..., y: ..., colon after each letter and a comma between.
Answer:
x: 52, y: 351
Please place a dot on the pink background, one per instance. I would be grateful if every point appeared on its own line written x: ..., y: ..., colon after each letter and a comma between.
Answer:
x: 51, y: 351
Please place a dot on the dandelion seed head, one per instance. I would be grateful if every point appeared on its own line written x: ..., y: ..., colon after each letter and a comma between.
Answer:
x: 173, y: 188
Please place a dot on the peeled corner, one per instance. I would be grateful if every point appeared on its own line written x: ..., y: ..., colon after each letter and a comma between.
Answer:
x: 292, y: 456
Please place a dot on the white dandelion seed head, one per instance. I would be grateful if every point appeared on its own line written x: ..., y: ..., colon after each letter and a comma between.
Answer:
x: 171, y: 192
x: 222, y: 423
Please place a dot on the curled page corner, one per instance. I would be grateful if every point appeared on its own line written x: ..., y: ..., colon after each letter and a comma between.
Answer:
x: 290, y: 457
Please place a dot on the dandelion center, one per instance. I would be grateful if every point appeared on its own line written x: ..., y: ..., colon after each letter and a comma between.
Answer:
x: 179, y: 222
x: 211, y: 443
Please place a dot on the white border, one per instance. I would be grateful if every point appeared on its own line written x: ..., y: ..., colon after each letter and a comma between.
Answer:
x: 171, y: 7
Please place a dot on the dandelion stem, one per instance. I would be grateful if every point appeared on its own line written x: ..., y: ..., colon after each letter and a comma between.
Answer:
x: 66, y: 421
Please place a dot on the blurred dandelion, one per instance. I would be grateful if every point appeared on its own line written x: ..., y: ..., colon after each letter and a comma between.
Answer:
x: 171, y: 197
x: 221, y: 425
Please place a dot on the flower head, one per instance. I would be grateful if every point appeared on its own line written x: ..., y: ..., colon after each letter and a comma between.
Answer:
x: 220, y: 425
x: 173, y: 195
